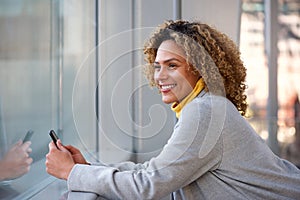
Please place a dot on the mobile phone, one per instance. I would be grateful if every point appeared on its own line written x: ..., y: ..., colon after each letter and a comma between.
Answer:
x: 54, y: 137
x: 28, y: 136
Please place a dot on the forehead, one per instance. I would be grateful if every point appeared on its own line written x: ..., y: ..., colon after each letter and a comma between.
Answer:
x: 169, y: 49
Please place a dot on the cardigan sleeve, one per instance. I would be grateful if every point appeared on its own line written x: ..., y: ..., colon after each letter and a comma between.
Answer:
x: 180, y: 162
x: 124, y: 166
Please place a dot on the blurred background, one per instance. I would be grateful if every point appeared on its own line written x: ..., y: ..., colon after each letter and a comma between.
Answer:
x: 75, y: 66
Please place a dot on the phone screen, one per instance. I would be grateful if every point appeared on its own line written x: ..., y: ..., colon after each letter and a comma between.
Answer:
x: 54, y: 137
x: 28, y: 136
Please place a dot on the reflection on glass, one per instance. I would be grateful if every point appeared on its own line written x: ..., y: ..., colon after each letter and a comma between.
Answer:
x: 42, y: 46
x: 25, y: 92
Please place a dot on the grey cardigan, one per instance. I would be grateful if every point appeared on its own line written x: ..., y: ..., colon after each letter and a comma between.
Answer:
x: 213, y: 153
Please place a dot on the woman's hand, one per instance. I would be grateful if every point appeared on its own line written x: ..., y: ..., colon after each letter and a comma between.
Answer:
x: 16, y: 161
x: 76, y: 155
x: 59, y: 162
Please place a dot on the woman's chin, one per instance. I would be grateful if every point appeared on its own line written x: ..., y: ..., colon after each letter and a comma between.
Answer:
x: 168, y: 100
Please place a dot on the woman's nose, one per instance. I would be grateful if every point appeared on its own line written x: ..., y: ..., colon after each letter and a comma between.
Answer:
x: 161, y: 74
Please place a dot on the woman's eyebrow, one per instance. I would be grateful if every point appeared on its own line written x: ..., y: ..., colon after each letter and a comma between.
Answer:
x: 168, y: 60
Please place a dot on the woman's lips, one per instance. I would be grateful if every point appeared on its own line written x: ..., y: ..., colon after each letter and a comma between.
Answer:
x: 167, y: 87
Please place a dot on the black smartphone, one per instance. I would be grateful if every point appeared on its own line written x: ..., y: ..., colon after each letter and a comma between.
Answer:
x: 28, y: 136
x: 54, y: 137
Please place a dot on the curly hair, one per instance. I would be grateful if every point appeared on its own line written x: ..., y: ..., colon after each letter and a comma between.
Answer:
x: 208, y: 51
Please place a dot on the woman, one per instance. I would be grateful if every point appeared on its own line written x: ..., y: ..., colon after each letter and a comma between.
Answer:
x: 213, y: 152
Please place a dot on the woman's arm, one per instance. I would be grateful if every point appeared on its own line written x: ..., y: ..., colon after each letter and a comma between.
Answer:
x: 177, y: 165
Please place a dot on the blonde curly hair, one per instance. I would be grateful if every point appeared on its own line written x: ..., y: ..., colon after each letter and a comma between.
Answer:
x: 211, y: 53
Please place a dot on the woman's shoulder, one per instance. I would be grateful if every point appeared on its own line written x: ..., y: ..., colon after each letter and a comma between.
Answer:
x: 207, y: 104
x: 208, y: 100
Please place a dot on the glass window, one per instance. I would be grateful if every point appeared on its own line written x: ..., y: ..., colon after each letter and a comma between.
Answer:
x: 42, y: 46
x: 252, y: 45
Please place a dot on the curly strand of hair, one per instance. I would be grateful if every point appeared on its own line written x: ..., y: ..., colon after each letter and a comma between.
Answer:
x: 227, y: 57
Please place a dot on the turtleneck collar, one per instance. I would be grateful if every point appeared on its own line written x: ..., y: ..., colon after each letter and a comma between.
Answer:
x: 177, y: 107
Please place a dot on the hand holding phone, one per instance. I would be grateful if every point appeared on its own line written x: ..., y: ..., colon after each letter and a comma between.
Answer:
x: 54, y: 137
x: 28, y: 136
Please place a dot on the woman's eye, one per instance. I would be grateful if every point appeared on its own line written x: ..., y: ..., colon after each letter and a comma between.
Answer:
x: 156, y: 67
x: 172, y: 66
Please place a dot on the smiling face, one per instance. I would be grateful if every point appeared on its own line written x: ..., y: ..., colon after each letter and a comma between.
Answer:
x: 171, y: 74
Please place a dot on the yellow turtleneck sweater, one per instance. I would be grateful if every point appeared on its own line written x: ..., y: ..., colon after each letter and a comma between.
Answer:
x: 177, y: 107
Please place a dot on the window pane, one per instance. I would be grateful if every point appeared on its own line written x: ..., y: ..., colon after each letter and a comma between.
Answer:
x: 42, y: 47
